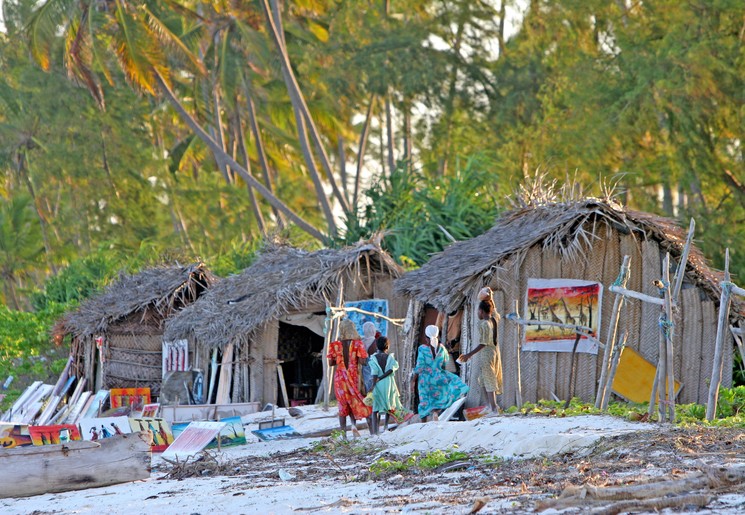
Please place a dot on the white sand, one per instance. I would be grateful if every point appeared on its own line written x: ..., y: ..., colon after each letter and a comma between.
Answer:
x: 509, y: 436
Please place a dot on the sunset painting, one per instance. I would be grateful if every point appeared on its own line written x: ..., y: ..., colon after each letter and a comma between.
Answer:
x: 562, y: 301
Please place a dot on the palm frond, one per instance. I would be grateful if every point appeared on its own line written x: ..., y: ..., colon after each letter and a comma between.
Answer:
x: 138, y: 52
x: 79, y: 59
x: 166, y: 36
x: 43, y: 26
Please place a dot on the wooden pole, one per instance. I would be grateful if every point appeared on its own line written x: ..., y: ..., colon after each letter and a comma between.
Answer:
x: 680, y: 272
x: 519, y: 392
x: 283, y: 387
x: 615, y: 359
x: 716, y: 369
x: 622, y: 280
x: 669, y: 330
x: 636, y: 295
x: 572, y: 370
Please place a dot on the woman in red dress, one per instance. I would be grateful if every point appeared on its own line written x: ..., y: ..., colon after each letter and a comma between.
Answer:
x: 345, y: 354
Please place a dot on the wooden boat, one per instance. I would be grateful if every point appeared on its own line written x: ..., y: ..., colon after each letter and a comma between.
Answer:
x: 75, y: 465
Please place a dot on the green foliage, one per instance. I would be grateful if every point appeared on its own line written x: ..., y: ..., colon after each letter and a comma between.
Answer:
x: 412, y: 209
x: 416, y: 460
x: 26, y: 350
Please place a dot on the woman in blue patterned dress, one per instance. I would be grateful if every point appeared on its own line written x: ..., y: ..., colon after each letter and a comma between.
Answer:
x: 438, y: 388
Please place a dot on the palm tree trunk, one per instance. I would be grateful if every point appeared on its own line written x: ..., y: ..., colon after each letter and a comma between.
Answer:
x: 296, y: 95
x: 308, y: 155
x: 241, y: 138
x: 213, y: 145
x: 362, y: 148
x: 407, y: 134
x: 260, y: 152
x: 220, y: 133
x: 343, y: 166
x: 389, y: 132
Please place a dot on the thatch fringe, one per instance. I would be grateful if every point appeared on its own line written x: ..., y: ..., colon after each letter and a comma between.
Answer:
x: 282, y: 280
x: 153, y: 294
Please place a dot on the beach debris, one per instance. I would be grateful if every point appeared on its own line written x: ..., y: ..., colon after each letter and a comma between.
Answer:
x: 285, y: 475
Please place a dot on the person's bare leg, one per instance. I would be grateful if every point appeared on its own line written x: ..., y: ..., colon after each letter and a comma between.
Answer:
x: 343, y: 424
x: 387, y: 420
x: 355, y: 431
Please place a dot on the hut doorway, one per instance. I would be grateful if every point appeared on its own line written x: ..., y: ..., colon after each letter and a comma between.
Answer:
x: 300, y: 350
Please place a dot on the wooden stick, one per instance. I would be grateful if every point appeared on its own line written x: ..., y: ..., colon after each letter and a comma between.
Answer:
x: 615, y: 359
x: 737, y: 334
x: 339, y: 311
x: 670, y: 364
x: 519, y: 392
x: 716, y: 369
x: 572, y: 370
x: 282, y: 386
x: 583, y: 330
x: 636, y: 295
x: 612, y: 331
x: 680, y: 272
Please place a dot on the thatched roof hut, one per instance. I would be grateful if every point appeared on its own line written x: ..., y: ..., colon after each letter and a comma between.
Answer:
x: 128, y: 317
x: 274, y: 310
x: 584, y: 240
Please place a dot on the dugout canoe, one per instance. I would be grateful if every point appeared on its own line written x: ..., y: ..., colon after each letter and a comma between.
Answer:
x: 75, y: 465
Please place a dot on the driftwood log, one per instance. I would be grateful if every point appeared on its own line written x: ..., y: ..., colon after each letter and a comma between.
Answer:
x: 693, y: 489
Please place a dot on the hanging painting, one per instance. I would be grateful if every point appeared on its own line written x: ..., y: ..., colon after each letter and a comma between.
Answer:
x: 562, y: 301
x: 376, y: 306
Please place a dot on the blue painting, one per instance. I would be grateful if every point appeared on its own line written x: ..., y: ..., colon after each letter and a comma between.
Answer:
x: 379, y: 306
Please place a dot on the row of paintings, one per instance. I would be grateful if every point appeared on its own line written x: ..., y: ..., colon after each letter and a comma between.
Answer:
x: 164, y: 434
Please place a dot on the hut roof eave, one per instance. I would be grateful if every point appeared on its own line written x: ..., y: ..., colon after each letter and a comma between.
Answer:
x: 282, y: 280
x: 562, y: 228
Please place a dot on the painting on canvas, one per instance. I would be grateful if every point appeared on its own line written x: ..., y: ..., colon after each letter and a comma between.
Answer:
x: 134, y: 398
x: 105, y: 427
x: 160, y: 429
x: 50, y: 435
x: 570, y: 302
x: 14, y: 435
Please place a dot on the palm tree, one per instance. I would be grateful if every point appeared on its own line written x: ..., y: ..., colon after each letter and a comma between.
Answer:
x: 145, y: 41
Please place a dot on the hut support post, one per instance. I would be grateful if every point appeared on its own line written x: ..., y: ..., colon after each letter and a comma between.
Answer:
x: 519, y: 390
x: 622, y: 280
x: 716, y: 369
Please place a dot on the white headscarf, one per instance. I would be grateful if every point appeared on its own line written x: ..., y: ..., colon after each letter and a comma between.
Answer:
x: 432, y: 332
x: 368, y: 333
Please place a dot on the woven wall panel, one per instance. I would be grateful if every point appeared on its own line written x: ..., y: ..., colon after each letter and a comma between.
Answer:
x: 690, y: 350
x: 707, y: 344
x: 130, y: 341
x: 631, y: 314
x: 550, y: 269
x: 531, y: 269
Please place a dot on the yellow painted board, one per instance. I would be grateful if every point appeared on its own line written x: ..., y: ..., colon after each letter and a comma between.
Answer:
x: 635, y: 377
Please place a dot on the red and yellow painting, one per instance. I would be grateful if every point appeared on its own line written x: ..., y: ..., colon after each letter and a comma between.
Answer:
x: 14, y: 435
x: 571, y: 302
x: 50, y: 435
x: 134, y: 398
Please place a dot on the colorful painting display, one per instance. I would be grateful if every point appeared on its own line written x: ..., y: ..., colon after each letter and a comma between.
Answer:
x: 150, y: 410
x: 14, y: 435
x: 193, y: 439
x: 564, y: 301
x: 104, y: 427
x: 134, y: 398
x: 50, y: 435
x: 161, y: 430
x: 232, y: 434
x: 379, y: 306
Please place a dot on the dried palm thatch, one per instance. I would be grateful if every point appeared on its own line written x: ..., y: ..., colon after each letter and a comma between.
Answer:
x: 566, y: 229
x: 283, y: 279
x: 153, y: 295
